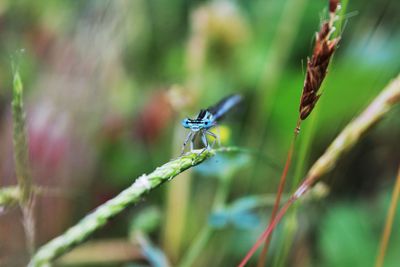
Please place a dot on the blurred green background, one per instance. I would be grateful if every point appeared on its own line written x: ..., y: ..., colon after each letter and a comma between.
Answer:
x: 107, y: 83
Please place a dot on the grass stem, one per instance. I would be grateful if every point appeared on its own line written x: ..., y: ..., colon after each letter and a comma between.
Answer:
x: 351, y: 134
x: 10, y: 195
x: 21, y: 159
x: 389, y: 223
x: 282, y: 182
x: 207, y: 231
x: 290, y: 227
x: 99, y: 217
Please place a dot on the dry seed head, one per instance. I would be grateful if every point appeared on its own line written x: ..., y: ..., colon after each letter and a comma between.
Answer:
x: 317, y: 66
x: 333, y: 5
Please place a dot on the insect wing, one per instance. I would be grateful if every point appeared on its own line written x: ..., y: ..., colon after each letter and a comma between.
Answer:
x: 223, y: 106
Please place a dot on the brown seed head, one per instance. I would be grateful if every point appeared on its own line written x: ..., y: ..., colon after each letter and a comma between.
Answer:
x: 333, y: 4
x: 317, y: 68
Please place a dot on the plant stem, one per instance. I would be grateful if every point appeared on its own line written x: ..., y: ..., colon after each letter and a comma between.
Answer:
x: 179, y: 195
x: 278, y: 52
x: 207, y: 231
x: 177, y: 204
x: 21, y: 159
x: 291, y: 222
x: 316, y: 71
x: 389, y: 223
x: 266, y: 233
x: 263, y: 255
x: 197, y: 247
x: 99, y: 217
x: 346, y: 140
x: 10, y: 195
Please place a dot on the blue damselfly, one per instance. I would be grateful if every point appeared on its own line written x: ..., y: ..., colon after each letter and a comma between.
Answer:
x: 206, y: 119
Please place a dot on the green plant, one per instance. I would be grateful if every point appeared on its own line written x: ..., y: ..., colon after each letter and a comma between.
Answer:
x: 142, y: 185
x: 349, y: 136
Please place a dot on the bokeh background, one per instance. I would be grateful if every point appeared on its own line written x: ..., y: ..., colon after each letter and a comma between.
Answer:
x: 107, y: 83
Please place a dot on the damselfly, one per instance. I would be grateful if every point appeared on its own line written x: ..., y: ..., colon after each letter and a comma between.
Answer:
x: 206, y: 119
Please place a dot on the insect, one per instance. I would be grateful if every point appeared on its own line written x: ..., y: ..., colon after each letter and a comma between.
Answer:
x: 206, y: 119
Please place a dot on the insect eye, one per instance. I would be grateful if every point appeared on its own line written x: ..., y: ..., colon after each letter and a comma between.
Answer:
x: 185, y: 123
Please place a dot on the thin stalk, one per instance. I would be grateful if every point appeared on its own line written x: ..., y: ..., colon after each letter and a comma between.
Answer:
x: 174, y: 227
x: 346, y: 140
x: 290, y: 229
x: 286, y: 32
x: 177, y: 204
x: 266, y: 233
x: 21, y: 159
x: 197, y: 246
x: 291, y: 222
x: 20, y: 141
x: 103, y: 252
x: 277, y: 56
x: 99, y: 217
x: 207, y: 231
x: 263, y: 255
x: 316, y: 71
x: 290, y: 226
x: 10, y: 195
x: 389, y: 223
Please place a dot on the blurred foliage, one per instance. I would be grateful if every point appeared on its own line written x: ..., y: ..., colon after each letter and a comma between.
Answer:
x: 349, y: 230
x: 238, y: 214
x: 223, y: 166
x: 146, y: 221
x: 107, y: 82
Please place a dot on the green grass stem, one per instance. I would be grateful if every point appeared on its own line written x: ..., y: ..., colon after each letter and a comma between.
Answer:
x: 207, y: 231
x: 347, y: 139
x: 388, y: 223
x: 290, y: 225
x: 21, y: 161
x: 99, y: 217
x: 21, y: 156
x: 11, y: 195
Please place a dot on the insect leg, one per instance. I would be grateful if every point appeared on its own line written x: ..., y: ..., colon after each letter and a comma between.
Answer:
x: 215, y: 138
x: 218, y: 136
x: 205, y: 142
x: 189, y: 136
x: 192, y: 141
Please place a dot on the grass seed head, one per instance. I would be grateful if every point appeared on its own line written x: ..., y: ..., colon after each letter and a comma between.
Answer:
x: 317, y: 66
x: 333, y: 5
